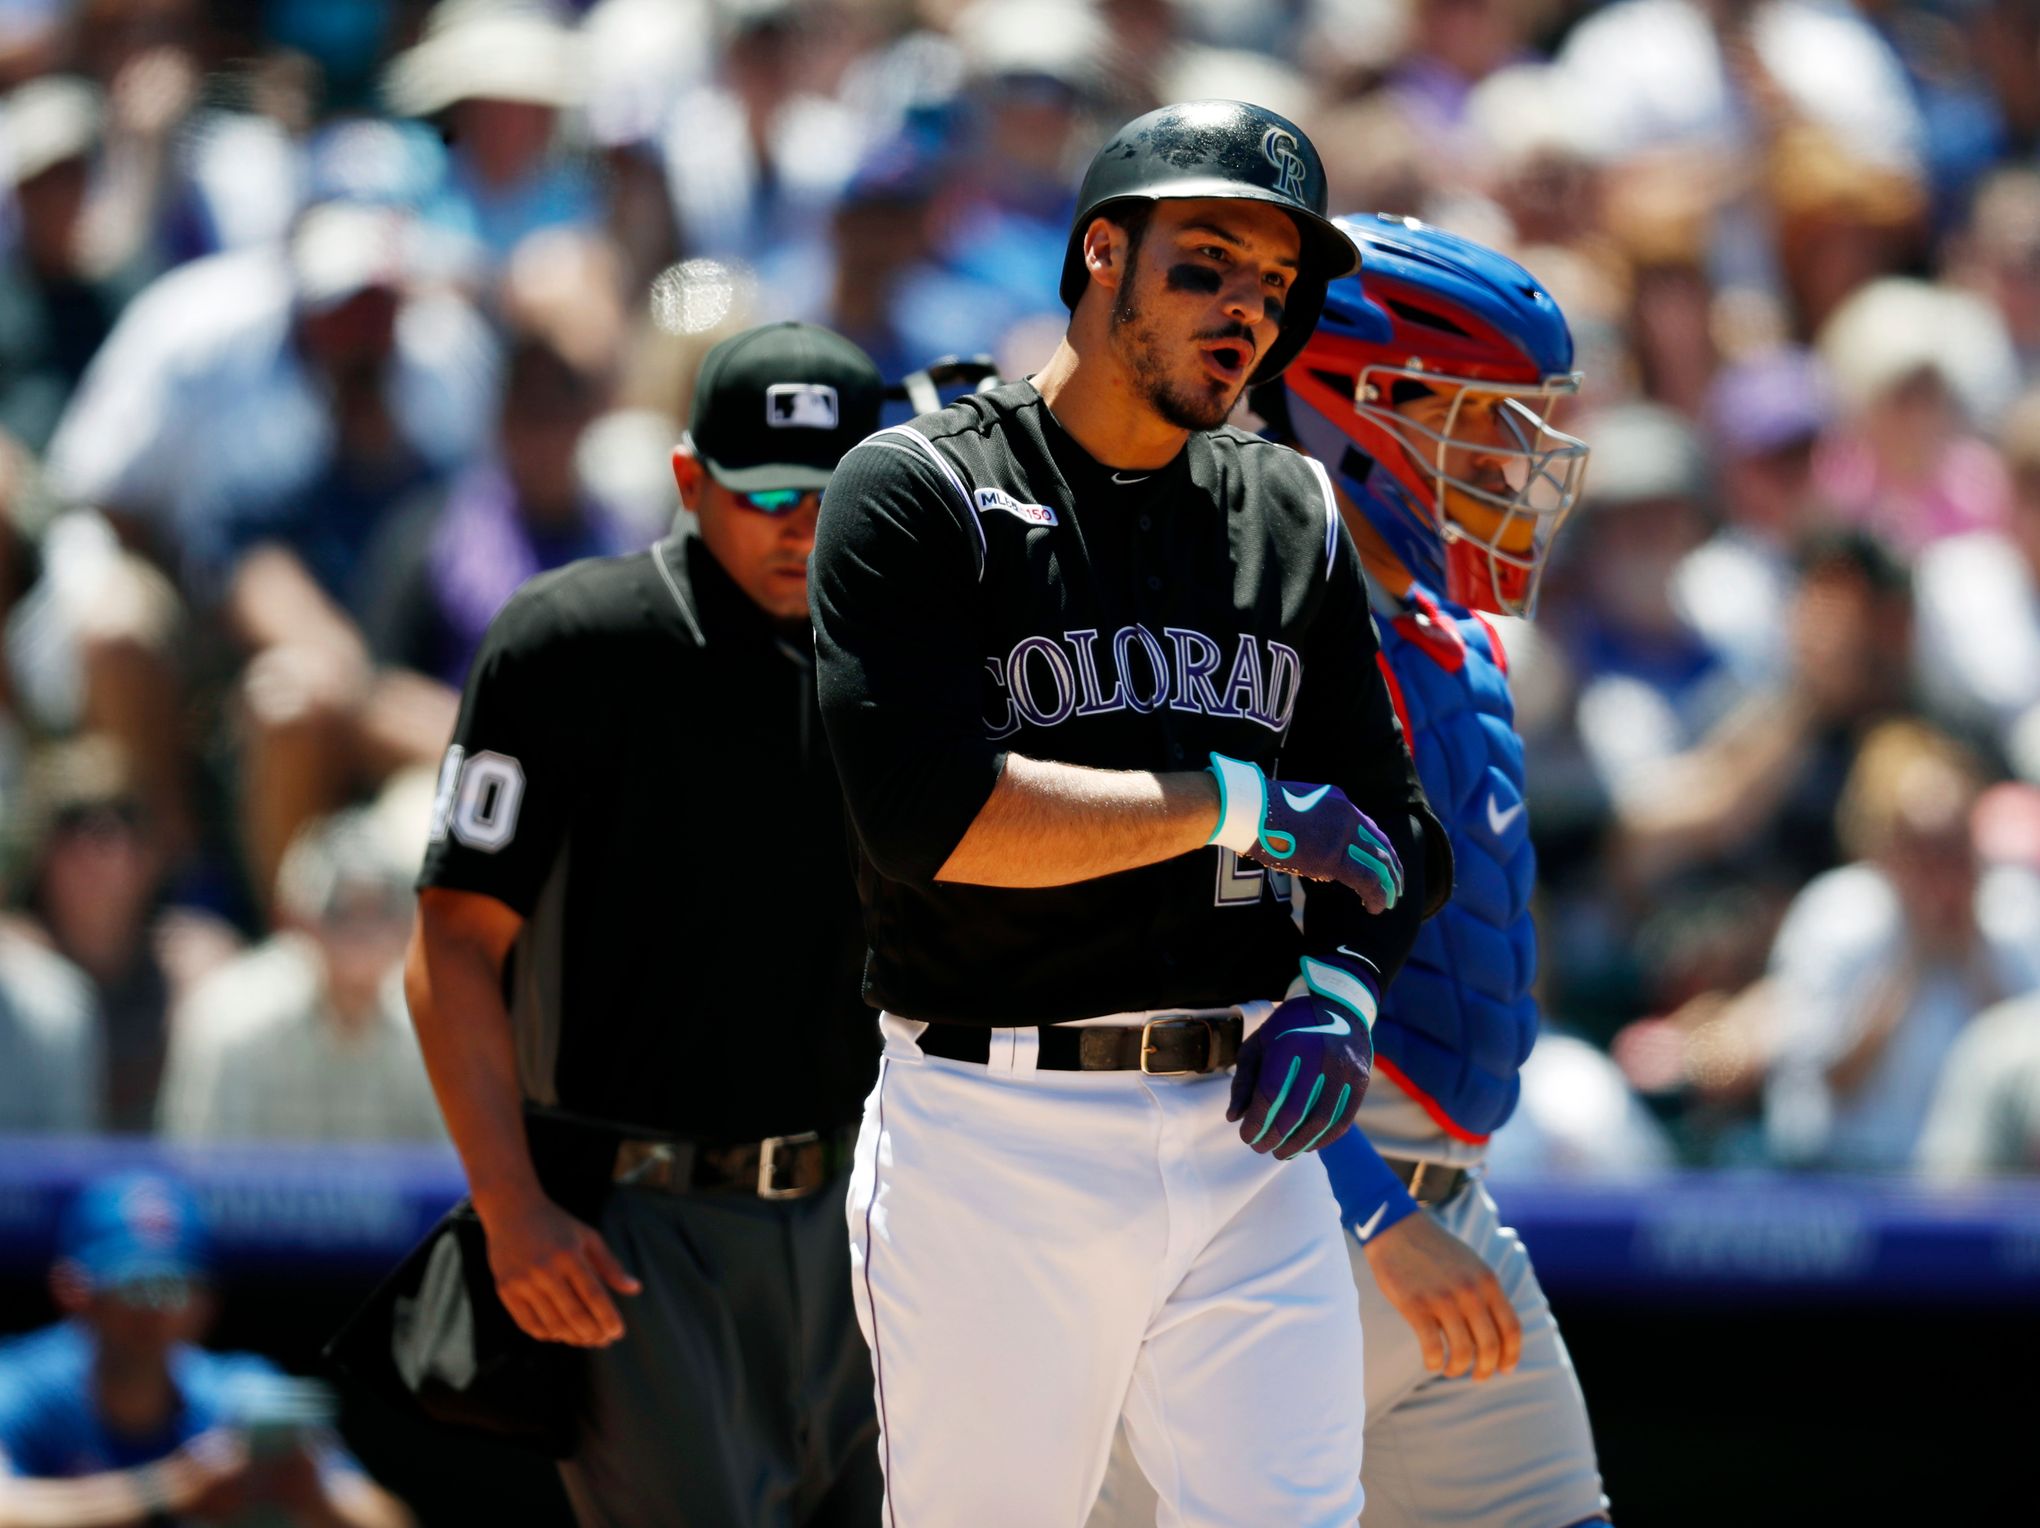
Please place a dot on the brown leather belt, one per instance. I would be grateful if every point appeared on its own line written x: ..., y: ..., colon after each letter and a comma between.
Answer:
x: 1173, y: 1045
x: 1429, y: 1183
x: 778, y: 1167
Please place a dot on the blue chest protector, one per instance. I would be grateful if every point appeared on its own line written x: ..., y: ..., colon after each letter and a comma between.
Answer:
x: 1458, y: 1021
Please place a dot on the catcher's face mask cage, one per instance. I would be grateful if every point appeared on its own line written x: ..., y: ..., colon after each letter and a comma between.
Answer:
x: 1533, y: 473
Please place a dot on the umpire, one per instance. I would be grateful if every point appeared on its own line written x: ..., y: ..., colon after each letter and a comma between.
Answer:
x: 599, y: 957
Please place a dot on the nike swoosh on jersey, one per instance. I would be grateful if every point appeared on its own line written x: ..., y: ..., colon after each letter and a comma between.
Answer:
x: 1366, y: 1228
x: 1120, y: 477
x: 1498, y: 821
x: 1303, y: 803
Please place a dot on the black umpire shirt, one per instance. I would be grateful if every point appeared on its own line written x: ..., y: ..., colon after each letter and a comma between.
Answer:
x: 981, y: 583
x: 639, y: 770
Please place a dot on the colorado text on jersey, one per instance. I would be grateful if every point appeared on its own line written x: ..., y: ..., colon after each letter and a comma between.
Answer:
x: 1040, y: 684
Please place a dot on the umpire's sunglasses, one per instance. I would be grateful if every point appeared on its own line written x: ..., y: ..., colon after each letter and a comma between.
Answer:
x: 773, y: 501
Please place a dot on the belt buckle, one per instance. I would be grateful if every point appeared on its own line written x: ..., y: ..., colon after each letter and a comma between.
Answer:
x: 1147, y: 1050
x: 768, y: 1164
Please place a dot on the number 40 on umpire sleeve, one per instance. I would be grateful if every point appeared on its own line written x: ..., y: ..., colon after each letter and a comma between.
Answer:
x: 477, y: 799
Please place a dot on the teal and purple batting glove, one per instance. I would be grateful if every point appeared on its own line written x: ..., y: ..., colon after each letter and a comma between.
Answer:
x: 1302, y: 1074
x: 1309, y: 830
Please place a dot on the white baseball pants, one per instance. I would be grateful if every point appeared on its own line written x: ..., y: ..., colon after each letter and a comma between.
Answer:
x: 1037, y: 1254
x: 1512, y: 1451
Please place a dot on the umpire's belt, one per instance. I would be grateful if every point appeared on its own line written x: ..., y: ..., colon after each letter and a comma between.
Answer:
x: 1171, y: 1045
x: 778, y: 1167
x: 1429, y: 1183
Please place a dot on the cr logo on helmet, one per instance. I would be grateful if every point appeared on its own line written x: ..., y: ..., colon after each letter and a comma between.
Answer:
x: 1279, y: 149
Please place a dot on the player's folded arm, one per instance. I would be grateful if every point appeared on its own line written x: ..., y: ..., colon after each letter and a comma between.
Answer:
x: 893, y: 583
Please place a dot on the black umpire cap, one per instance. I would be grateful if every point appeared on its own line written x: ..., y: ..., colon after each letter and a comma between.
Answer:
x: 777, y: 406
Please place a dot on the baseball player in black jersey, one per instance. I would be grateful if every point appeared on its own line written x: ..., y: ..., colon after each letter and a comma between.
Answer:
x: 589, y: 986
x: 1100, y: 679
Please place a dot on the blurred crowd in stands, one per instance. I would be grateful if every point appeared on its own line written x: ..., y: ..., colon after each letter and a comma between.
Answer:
x: 324, y: 323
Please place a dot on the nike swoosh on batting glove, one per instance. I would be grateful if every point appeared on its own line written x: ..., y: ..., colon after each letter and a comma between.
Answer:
x: 1310, y: 830
x: 1302, y: 1074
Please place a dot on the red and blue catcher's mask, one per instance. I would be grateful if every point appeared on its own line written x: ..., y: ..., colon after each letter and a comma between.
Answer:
x: 1431, y: 312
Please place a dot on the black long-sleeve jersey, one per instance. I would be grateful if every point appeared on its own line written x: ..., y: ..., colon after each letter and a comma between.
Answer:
x: 982, y: 584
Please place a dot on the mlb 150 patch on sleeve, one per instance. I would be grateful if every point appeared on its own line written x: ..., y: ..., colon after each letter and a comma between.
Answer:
x: 998, y: 498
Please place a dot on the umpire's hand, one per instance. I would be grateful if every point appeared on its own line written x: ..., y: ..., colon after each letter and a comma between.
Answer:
x: 555, y: 1273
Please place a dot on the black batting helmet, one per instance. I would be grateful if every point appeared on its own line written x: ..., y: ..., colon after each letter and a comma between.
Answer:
x: 1221, y: 149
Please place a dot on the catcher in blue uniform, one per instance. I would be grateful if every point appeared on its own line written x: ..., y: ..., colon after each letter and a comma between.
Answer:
x: 1427, y: 392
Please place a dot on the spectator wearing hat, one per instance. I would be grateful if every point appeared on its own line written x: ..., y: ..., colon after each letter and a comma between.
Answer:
x: 1452, y: 46
x: 1753, y: 796
x: 116, y: 1416
x: 500, y: 80
x: 1613, y: 681
x: 1763, y: 419
x: 1985, y: 1117
x: 755, y: 158
x: 1923, y: 372
x: 252, y: 419
x: 92, y: 882
x: 361, y: 626
x: 1978, y: 646
x: 186, y: 170
x: 1648, y: 684
x: 276, y: 394
x: 57, y: 305
x: 1841, y: 218
x: 877, y: 280
x: 1657, y: 77
x: 1033, y: 72
x: 443, y: 566
x: 305, y: 1036
x: 1533, y: 154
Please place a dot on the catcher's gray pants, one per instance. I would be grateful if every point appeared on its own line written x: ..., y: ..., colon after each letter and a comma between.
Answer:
x: 1513, y: 1451
x: 740, y: 1394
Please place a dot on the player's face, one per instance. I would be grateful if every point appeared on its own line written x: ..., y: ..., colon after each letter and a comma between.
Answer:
x: 765, y: 555
x: 1202, y: 303
x: 1482, y: 452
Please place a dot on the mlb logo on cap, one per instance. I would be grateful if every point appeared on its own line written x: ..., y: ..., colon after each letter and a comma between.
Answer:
x: 777, y: 406
x: 801, y: 406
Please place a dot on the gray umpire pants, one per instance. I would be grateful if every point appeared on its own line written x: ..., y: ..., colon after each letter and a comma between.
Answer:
x: 740, y: 1394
